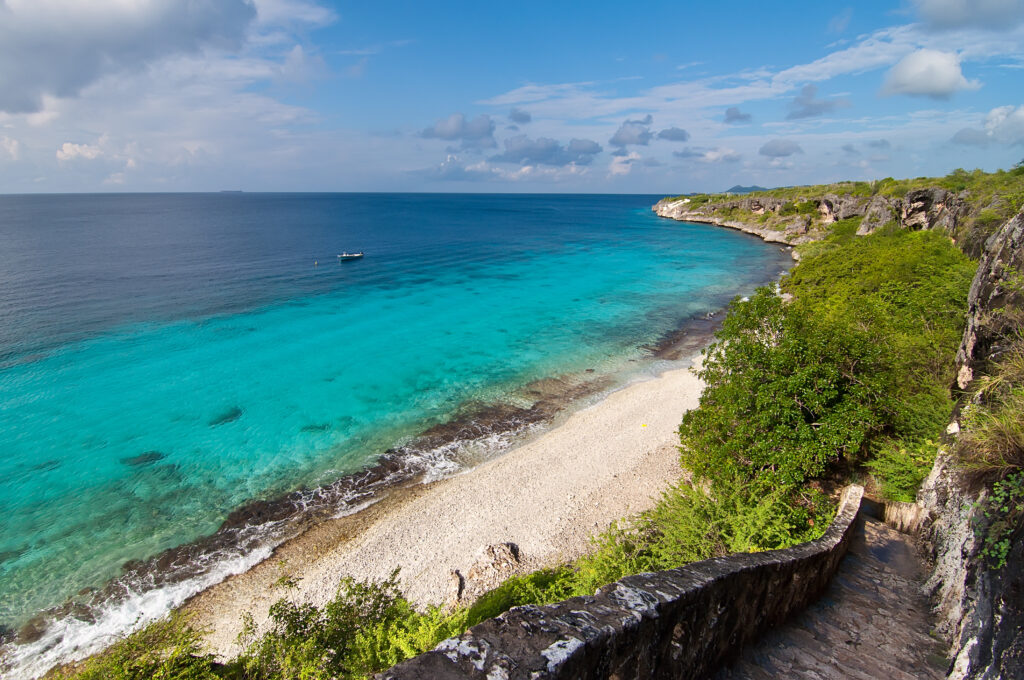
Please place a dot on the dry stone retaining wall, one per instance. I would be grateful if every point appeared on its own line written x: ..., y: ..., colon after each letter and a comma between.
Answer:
x: 670, y: 624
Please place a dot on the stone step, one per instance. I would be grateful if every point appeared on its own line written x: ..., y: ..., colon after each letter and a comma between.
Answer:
x: 873, y: 622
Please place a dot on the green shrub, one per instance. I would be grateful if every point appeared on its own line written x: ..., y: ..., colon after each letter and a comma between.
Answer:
x: 800, y: 208
x: 687, y: 525
x: 169, y: 649
x: 367, y: 627
x: 863, y: 353
x: 784, y: 396
x: 1003, y: 509
x: 900, y: 467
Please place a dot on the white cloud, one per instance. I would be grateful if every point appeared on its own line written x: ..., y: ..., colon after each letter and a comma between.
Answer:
x: 58, y: 47
x: 277, y: 12
x: 1003, y: 125
x: 929, y: 73
x: 992, y: 14
x: 70, y: 151
x: 545, y: 151
x: 636, y: 132
x: 477, y: 133
x: 780, y: 148
x: 719, y: 155
x: 11, y: 146
x: 621, y: 165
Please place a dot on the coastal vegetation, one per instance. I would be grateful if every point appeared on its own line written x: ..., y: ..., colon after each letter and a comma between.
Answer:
x: 989, y: 199
x: 841, y: 372
x: 854, y: 369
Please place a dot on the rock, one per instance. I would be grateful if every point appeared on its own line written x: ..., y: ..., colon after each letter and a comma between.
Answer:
x: 494, y: 564
x: 798, y: 226
x: 878, y: 213
x: 826, y: 208
x: 850, y: 206
x: 32, y: 630
x: 996, y: 284
x: 935, y: 209
x: 979, y: 608
x: 834, y: 208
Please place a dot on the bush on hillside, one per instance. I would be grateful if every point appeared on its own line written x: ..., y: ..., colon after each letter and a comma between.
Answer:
x: 861, y: 355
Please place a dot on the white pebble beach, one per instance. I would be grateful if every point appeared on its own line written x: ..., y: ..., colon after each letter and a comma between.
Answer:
x: 548, y: 496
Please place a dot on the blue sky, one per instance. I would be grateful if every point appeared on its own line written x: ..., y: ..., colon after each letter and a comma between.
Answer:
x: 656, y: 97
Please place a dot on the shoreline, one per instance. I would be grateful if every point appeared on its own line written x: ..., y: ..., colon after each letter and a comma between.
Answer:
x: 257, y: 533
x: 675, y: 210
x: 547, y: 496
x: 325, y: 543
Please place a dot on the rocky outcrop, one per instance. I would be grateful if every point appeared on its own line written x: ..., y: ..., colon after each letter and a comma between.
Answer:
x: 494, y: 564
x: 834, y: 208
x: 670, y: 624
x: 980, y: 606
x: 998, y: 288
x: 793, y: 234
x: 878, y: 213
x: 934, y: 209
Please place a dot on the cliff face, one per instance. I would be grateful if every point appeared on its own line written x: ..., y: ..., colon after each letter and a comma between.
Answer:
x: 794, y: 232
x: 980, y: 607
x: 998, y: 288
x: 932, y: 208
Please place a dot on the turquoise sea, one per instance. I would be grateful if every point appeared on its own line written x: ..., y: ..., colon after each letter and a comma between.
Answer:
x: 166, y: 360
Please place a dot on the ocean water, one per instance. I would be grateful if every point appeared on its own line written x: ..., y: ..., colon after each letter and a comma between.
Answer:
x: 167, y: 359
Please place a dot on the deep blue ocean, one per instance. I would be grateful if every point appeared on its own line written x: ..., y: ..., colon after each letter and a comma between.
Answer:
x: 168, y: 358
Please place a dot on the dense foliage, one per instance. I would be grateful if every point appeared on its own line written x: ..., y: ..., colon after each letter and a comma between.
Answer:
x: 860, y: 357
x: 367, y: 627
x: 166, y: 650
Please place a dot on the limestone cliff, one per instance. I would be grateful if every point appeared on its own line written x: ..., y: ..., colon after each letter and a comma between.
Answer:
x: 773, y: 220
x: 980, y: 606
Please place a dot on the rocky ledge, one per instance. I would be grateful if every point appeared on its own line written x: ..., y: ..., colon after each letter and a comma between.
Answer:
x: 933, y: 208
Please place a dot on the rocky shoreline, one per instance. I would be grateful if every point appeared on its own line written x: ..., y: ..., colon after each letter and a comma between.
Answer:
x: 461, y: 535
x: 934, y: 208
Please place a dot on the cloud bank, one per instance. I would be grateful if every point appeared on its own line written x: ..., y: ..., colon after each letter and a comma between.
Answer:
x: 991, y: 14
x: 477, y: 133
x: 780, y: 148
x: 58, y: 47
x: 544, y: 151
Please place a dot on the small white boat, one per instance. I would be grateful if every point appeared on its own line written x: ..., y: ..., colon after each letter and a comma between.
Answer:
x: 349, y: 256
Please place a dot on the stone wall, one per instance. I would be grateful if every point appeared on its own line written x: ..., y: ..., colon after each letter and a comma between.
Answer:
x: 677, y: 623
